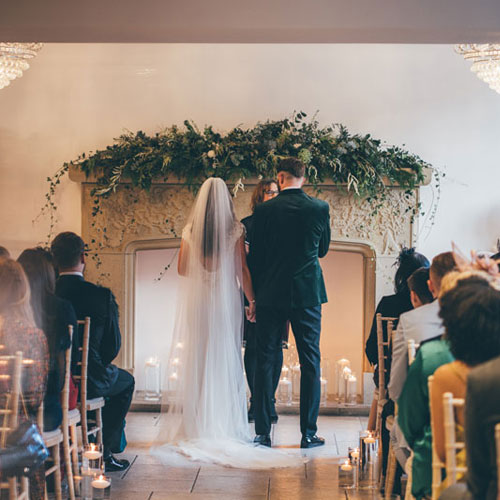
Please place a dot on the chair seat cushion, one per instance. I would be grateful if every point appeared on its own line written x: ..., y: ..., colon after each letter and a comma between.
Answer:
x: 73, y: 416
x: 52, y: 438
x: 94, y: 404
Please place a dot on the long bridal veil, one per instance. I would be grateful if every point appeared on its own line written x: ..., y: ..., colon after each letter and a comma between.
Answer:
x: 206, y: 414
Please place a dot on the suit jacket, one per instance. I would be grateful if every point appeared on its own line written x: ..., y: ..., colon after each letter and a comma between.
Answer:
x: 482, y: 412
x: 105, y: 338
x: 419, y: 324
x: 288, y: 234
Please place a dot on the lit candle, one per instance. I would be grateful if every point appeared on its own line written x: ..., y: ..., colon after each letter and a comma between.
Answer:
x: 284, y: 371
x: 174, y: 376
x: 346, y: 466
x: 175, y: 361
x: 179, y: 345
x: 93, y: 453
x: 369, y: 439
x: 101, y: 482
x: 355, y: 453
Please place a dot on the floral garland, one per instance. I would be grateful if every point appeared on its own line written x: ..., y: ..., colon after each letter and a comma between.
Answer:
x: 358, y: 163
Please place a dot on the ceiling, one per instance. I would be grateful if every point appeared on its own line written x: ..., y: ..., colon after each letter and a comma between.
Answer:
x: 251, y: 21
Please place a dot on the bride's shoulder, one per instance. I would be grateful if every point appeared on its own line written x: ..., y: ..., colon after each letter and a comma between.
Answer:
x: 237, y: 231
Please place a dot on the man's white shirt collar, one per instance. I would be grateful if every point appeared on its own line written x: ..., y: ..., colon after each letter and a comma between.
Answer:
x: 71, y: 273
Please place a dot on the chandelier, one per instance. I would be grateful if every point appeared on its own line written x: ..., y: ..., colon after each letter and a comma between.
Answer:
x: 14, y: 60
x: 485, y: 61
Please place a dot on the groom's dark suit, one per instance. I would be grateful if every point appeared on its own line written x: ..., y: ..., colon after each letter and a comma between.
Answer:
x: 289, y: 233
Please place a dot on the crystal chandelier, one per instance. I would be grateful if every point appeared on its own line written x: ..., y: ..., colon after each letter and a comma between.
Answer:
x: 14, y: 60
x: 485, y: 61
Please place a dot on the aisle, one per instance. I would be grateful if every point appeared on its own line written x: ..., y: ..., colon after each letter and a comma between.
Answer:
x: 147, y: 479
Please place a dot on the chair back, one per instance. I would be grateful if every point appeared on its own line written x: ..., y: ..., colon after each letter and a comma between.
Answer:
x: 452, y: 446
x: 412, y: 350
x: 10, y: 378
x: 67, y: 376
x: 84, y: 365
x: 437, y: 465
x: 383, y: 347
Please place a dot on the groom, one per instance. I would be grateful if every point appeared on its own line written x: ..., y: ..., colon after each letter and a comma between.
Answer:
x: 289, y: 233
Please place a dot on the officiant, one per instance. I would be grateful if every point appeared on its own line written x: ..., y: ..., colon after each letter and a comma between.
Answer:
x: 266, y: 190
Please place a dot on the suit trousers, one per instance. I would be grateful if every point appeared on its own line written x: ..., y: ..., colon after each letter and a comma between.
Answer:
x: 118, y: 400
x: 250, y: 360
x: 306, y: 326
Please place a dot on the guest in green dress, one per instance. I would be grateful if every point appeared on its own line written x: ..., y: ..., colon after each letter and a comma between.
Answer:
x: 414, y: 416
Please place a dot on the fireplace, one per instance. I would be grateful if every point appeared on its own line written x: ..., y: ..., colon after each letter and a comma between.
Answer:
x: 138, y: 233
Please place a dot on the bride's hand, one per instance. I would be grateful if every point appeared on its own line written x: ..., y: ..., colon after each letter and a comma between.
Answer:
x: 250, y: 310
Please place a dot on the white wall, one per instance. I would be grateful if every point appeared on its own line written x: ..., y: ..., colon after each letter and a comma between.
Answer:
x: 76, y: 98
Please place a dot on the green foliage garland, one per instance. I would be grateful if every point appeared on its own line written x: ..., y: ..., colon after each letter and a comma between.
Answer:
x: 359, y: 163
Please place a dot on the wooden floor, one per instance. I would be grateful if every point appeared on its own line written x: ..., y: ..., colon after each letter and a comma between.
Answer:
x: 148, y: 479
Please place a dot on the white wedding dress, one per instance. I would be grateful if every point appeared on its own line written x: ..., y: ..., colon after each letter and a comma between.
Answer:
x: 207, y: 412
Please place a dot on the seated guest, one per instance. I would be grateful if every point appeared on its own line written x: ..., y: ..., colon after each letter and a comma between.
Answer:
x: 52, y: 315
x: 471, y: 316
x: 18, y: 332
x: 104, y: 379
x: 413, y: 412
x: 4, y: 252
x: 419, y: 324
x: 418, y: 284
x: 420, y: 295
x: 482, y: 412
x: 265, y: 190
x: 392, y: 306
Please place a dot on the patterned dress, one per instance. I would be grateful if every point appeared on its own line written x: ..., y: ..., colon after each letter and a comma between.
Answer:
x: 16, y: 335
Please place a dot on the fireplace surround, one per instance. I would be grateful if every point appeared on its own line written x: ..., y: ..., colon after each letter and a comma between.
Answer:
x: 134, y: 220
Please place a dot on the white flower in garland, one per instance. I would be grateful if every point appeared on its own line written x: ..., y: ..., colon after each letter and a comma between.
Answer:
x: 211, y: 154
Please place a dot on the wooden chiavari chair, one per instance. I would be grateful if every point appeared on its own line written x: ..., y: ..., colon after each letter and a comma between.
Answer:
x: 9, y: 418
x: 452, y: 446
x: 437, y: 464
x: 53, y: 440
x: 70, y: 443
x: 383, y: 347
x: 88, y: 405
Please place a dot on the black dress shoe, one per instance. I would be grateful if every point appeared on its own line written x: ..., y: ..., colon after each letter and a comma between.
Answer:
x: 263, y: 440
x: 113, y: 464
x: 274, y: 419
x: 311, y: 441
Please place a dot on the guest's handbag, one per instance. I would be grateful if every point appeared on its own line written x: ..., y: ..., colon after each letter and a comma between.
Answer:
x: 25, y: 451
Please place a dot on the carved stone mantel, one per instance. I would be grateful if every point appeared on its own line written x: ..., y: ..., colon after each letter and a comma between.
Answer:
x: 156, y: 218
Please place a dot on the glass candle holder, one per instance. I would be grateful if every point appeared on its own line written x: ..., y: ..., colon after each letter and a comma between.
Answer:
x: 351, y: 397
x: 368, y: 460
x: 285, y: 392
x: 101, y: 487
x: 339, y: 378
x: 324, y: 392
x: 347, y: 474
x: 153, y: 379
x: 92, y: 457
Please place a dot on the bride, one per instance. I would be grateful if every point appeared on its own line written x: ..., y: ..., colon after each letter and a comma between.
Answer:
x: 207, y: 418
